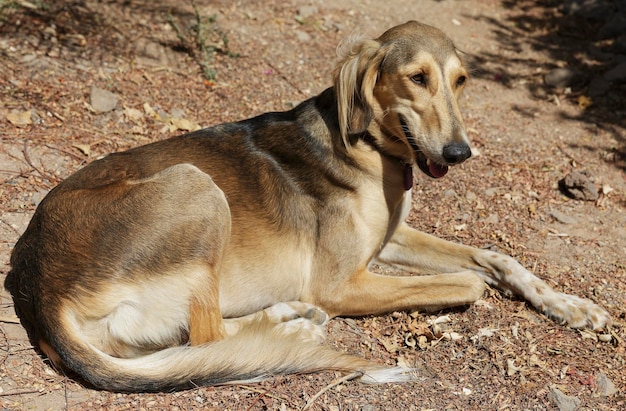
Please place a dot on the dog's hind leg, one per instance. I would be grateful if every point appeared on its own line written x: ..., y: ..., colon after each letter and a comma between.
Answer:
x: 205, y: 205
x: 157, y: 257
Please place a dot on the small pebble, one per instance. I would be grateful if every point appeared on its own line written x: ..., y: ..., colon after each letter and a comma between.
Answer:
x: 578, y: 186
x: 563, y: 402
x: 604, y: 386
x: 102, y: 101
x: 562, y: 217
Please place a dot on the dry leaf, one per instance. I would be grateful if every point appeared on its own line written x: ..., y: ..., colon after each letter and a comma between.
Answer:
x: 484, y: 304
x: 422, y: 342
x: 419, y: 328
x: 534, y: 360
x: 403, y: 363
x: 587, y: 334
x: 183, y: 124
x: 584, y: 102
x: 409, y: 340
x: 452, y: 336
x: 442, y: 319
x: 20, y: 118
x: 133, y: 114
x: 83, y: 148
x: 484, y: 332
x: 511, y: 368
x: 390, y: 345
x: 515, y: 329
x: 606, y: 189
x: 150, y: 111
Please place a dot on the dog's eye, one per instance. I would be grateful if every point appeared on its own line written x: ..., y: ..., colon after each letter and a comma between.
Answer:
x: 461, y: 80
x: 419, y: 79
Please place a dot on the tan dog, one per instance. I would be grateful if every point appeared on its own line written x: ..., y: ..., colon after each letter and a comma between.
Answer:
x: 219, y: 255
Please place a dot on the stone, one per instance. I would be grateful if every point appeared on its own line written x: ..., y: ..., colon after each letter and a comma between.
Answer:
x: 103, y: 101
x: 604, y: 386
x: 302, y: 36
x: 598, y: 87
x: 617, y: 74
x: 492, y: 219
x: 561, y: 77
x: 307, y: 11
x: 449, y: 193
x: 615, y: 26
x: 492, y: 191
x: 562, y: 217
x: 578, y: 186
x: 588, y: 9
x: 563, y: 402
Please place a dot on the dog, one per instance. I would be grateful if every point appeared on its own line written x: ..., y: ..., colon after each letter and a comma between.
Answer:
x: 218, y: 256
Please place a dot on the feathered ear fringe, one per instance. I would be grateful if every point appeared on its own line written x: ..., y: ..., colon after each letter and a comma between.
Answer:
x: 355, y: 78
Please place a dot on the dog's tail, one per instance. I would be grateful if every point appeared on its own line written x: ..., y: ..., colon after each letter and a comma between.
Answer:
x: 255, y: 353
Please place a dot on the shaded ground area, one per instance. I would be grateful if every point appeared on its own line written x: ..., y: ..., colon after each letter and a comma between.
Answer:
x: 80, y: 79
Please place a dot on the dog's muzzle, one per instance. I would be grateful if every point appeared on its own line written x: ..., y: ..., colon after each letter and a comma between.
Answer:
x: 453, y: 153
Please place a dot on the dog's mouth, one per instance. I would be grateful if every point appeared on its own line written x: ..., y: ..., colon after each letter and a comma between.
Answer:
x: 428, y: 167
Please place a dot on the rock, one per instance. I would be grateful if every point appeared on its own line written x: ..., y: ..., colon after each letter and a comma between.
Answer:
x: 578, y: 186
x: 492, y: 191
x: 449, y: 193
x: 620, y: 44
x: 20, y: 118
x: 599, y: 86
x: 604, y: 386
x: 561, y: 217
x: 615, y: 26
x: 307, y: 11
x: 563, y: 402
x: 561, y: 77
x: 492, y: 219
x: 152, y: 54
x: 302, y: 36
x: 102, y: 101
x: 617, y: 74
x: 588, y: 9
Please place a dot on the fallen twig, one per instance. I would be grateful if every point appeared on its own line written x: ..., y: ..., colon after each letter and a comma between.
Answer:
x: 9, y: 320
x: 6, y: 394
x: 335, y: 383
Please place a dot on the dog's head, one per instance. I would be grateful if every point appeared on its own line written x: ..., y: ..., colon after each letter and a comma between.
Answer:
x: 402, y: 89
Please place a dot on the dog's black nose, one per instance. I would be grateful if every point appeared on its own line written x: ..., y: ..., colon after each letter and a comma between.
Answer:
x: 455, y: 153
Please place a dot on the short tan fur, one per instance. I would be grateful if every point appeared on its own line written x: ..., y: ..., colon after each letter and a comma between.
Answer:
x: 219, y: 255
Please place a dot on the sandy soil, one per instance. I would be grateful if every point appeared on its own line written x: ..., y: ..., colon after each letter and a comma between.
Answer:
x: 529, y: 135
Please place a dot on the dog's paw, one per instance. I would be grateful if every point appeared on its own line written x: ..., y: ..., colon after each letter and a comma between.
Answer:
x: 304, y: 329
x: 304, y: 320
x: 283, y: 312
x: 577, y: 312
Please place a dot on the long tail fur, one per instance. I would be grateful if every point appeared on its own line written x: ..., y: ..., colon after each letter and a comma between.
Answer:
x: 255, y: 353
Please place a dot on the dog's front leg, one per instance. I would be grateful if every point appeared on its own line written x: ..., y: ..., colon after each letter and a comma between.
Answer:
x: 365, y: 293
x: 413, y: 249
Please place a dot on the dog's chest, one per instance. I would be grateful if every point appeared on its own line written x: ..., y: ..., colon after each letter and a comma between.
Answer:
x: 399, y: 214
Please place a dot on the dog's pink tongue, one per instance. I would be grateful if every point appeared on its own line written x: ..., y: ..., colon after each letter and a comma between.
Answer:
x: 437, y: 170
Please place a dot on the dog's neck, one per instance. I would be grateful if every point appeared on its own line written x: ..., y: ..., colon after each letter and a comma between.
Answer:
x: 407, y: 167
x: 326, y: 103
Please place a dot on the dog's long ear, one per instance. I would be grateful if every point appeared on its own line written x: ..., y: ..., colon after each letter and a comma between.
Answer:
x: 355, y: 78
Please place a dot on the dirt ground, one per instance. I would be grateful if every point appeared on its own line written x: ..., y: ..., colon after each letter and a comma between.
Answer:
x: 498, y: 354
